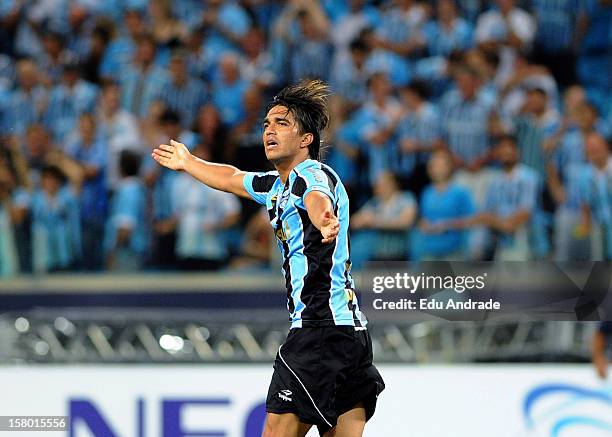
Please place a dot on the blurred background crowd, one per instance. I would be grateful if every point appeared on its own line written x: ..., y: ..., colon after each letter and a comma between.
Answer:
x: 462, y: 129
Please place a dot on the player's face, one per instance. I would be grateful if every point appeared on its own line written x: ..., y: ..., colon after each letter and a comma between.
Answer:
x: 281, y: 137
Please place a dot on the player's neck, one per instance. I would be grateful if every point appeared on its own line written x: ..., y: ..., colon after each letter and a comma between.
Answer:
x: 285, y: 167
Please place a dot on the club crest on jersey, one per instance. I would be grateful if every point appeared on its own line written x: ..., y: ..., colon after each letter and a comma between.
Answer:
x: 283, y: 200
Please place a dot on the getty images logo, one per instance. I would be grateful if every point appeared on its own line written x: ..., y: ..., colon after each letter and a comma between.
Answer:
x: 569, y: 410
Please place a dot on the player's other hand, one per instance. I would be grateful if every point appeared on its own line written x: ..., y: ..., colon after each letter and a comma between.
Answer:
x: 173, y: 156
x: 330, y: 227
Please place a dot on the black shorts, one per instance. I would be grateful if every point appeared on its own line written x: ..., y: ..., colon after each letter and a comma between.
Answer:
x: 323, y: 372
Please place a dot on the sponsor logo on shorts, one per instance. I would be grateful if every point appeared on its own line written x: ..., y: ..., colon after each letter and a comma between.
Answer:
x: 285, y: 395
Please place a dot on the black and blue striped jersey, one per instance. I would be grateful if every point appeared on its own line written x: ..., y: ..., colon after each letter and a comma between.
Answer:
x: 320, y: 289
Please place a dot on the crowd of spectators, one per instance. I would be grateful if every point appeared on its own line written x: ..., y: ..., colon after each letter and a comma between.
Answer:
x: 462, y: 129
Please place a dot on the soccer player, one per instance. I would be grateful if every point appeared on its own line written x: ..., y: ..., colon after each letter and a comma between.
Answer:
x: 323, y: 373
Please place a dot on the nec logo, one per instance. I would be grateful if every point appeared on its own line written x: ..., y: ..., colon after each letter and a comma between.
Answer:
x: 85, y: 412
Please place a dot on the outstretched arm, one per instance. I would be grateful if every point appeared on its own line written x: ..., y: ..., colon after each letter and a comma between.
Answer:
x: 321, y: 214
x: 218, y: 176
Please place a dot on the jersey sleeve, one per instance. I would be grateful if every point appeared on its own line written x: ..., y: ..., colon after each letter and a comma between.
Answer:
x: 258, y: 185
x: 313, y: 179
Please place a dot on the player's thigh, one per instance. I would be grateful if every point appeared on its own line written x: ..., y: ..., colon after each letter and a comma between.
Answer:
x: 284, y: 425
x: 350, y: 424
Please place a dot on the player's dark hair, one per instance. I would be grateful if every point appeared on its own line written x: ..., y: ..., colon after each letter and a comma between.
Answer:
x: 307, y: 101
x: 129, y: 163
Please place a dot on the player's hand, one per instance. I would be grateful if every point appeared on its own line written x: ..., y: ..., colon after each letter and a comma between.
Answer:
x: 330, y: 227
x: 173, y: 156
